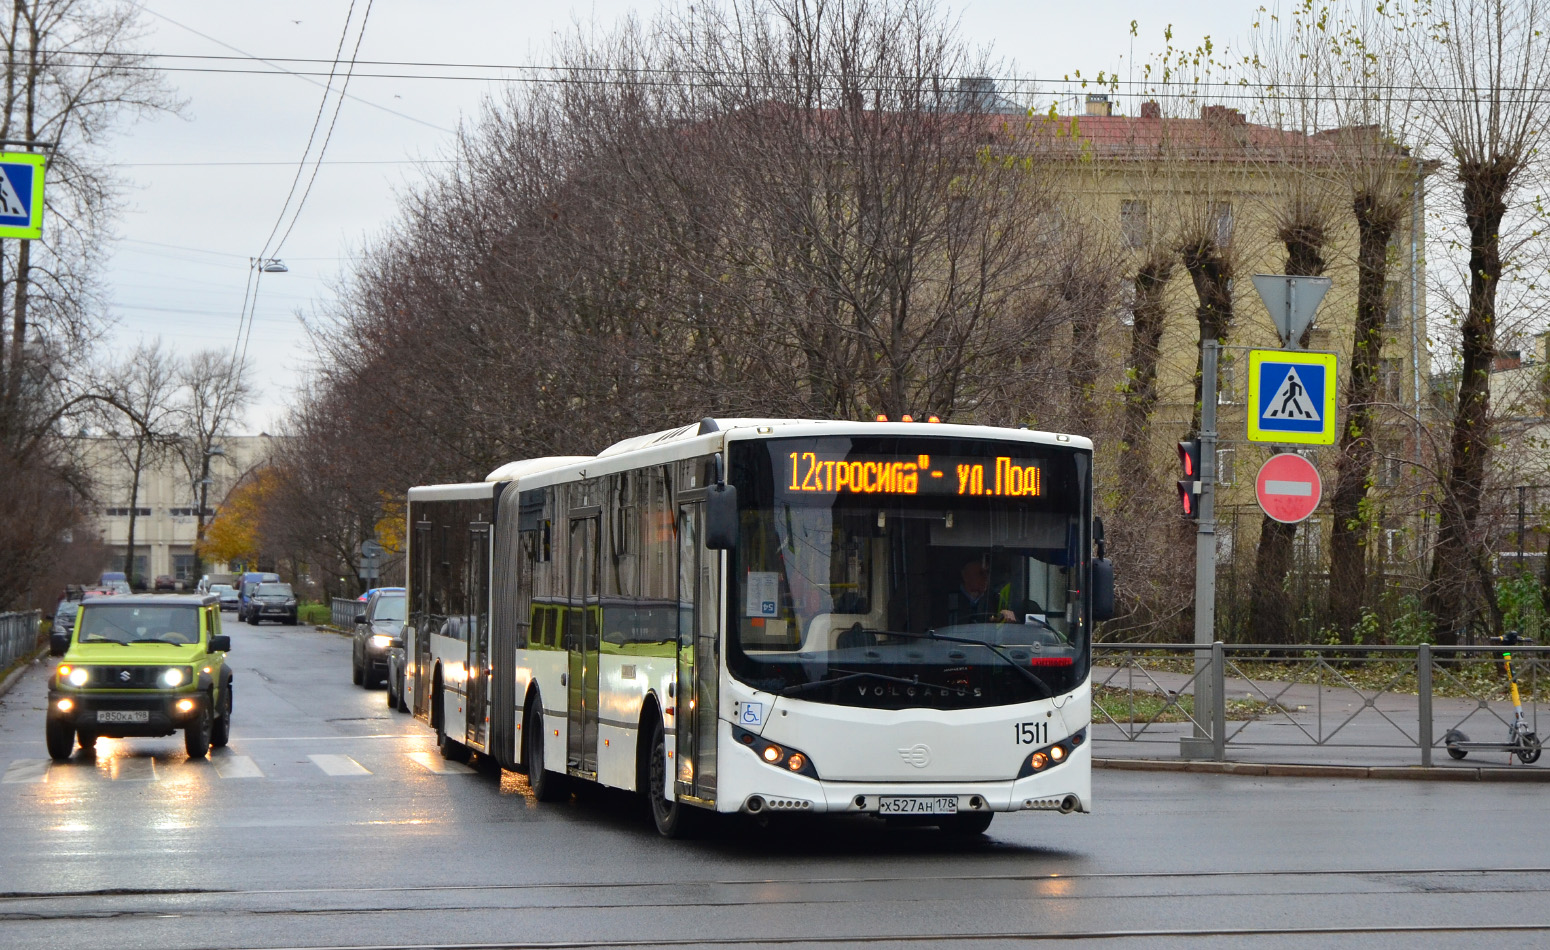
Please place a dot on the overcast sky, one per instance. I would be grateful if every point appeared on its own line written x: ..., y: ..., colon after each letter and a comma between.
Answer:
x: 205, y: 190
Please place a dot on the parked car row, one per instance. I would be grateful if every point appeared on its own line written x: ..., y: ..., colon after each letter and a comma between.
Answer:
x: 378, y: 646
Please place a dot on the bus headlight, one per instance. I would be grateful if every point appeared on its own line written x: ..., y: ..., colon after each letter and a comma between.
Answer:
x: 1051, y: 755
x: 782, y: 757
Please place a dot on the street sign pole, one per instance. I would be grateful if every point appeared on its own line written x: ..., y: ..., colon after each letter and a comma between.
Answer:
x: 1200, y: 744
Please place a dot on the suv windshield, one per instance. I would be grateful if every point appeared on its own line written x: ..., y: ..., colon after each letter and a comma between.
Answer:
x: 127, y: 623
x: 273, y: 590
x: 389, y: 608
x: 894, y: 572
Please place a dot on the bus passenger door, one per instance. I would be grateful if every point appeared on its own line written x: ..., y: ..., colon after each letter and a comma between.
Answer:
x: 582, y: 642
x: 477, y: 687
x: 417, y: 655
x: 699, y: 605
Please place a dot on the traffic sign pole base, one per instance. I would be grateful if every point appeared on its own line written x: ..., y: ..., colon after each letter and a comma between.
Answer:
x: 1193, y: 747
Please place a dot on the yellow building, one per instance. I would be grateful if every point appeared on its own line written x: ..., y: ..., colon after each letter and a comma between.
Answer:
x: 1150, y: 185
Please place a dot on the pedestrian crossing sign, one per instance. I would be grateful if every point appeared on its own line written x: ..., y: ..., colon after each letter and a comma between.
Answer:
x: 1291, y: 397
x: 21, y: 195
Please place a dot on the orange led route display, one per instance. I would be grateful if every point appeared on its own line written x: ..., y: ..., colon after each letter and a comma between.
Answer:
x: 809, y: 472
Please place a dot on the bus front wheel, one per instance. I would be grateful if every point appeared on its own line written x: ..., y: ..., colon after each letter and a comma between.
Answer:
x: 673, y: 818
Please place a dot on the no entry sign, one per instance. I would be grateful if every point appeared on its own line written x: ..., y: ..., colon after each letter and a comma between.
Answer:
x: 1288, y: 488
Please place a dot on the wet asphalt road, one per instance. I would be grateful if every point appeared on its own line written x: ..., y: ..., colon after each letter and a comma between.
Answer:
x: 331, y: 822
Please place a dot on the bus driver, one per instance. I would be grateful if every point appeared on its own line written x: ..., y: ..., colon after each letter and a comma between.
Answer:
x: 974, y: 602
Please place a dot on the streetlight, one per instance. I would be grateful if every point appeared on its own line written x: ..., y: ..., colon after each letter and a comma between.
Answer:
x: 272, y: 265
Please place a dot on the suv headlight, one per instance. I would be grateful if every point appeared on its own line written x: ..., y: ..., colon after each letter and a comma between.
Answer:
x: 173, y: 676
x: 381, y: 641
x: 78, y: 676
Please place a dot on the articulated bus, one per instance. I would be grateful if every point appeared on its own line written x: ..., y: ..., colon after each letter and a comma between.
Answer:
x: 772, y: 616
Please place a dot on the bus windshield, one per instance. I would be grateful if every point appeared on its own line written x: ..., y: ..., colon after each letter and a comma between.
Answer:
x: 910, y: 572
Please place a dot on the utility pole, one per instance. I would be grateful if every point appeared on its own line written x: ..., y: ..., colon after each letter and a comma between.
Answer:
x: 1200, y: 745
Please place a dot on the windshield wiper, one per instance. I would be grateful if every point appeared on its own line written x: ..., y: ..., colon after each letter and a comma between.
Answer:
x: 1031, y: 676
x: 170, y: 643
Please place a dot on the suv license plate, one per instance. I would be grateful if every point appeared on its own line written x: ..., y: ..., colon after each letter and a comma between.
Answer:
x: 123, y: 715
x: 917, y: 806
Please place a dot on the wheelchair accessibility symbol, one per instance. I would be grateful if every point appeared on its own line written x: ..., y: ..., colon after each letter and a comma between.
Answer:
x: 752, y: 715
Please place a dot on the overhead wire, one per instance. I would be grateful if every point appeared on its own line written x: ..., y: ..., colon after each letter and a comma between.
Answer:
x: 256, y: 272
x: 273, y: 63
x: 557, y: 73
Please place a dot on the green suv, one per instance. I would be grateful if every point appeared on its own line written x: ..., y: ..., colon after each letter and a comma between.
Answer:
x: 141, y: 665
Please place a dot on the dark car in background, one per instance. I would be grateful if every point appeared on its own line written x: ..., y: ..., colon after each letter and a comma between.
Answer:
x: 246, y: 585
x: 379, y: 627
x: 64, y: 616
x: 271, y: 601
x: 227, y: 594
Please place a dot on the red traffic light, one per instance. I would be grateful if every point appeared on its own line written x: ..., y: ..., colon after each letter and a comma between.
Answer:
x: 1189, y: 485
x: 1189, y: 457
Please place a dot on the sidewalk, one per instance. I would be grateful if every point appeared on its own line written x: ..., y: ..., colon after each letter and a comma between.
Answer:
x: 1323, y: 731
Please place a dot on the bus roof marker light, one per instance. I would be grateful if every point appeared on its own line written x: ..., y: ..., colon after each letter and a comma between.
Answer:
x: 881, y: 417
x: 933, y: 419
x: 906, y: 418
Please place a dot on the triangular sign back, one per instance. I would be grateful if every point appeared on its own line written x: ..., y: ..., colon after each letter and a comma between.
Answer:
x: 1291, y: 301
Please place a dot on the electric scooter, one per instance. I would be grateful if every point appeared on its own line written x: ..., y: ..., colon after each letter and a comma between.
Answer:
x: 1520, y: 741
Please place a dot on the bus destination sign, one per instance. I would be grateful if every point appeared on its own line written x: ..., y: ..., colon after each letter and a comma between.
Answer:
x: 813, y: 473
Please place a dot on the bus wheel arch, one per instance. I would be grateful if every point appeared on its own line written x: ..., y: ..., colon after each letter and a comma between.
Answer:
x: 529, y: 703
x: 650, y: 719
x: 547, y: 786
x: 438, y: 716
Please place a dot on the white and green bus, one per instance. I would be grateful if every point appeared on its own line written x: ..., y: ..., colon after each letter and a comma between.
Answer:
x: 772, y: 616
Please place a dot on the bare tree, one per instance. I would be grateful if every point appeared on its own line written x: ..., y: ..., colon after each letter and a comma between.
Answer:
x: 138, y: 426
x: 214, y: 392
x: 1487, y: 63
x: 72, y: 78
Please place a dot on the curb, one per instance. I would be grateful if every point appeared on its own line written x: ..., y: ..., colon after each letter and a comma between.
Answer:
x: 1402, y: 772
x: 15, y: 675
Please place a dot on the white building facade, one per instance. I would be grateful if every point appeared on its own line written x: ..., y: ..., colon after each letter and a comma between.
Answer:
x: 167, y: 501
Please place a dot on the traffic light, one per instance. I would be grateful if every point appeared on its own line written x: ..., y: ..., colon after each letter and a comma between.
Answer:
x: 1189, y: 485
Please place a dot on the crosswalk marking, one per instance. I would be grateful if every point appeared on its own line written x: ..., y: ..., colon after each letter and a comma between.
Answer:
x: 237, y: 766
x: 338, y: 765
x: 225, y: 765
x: 432, y: 762
x: 136, y: 769
x: 25, y: 770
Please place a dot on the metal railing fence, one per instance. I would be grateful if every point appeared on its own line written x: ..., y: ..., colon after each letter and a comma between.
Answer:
x: 342, y: 611
x: 1349, y: 697
x: 19, y: 633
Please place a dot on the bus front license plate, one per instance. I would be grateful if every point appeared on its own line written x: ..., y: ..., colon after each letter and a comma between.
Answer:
x: 900, y: 805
